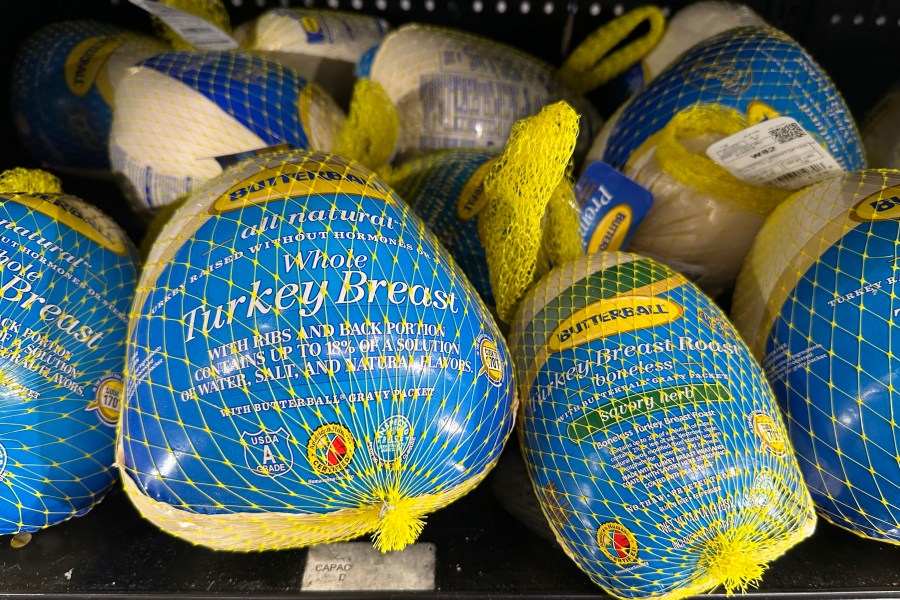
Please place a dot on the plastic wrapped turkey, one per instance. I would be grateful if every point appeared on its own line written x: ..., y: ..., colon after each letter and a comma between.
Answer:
x: 816, y: 301
x: 307, y: 364
x: 183, y: 116
x: 67, y: 279
x: 720, y: 138
x: 64, y: 80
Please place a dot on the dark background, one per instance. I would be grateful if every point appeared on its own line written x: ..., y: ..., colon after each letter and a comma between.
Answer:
x: 857, y: 42
x: 483, y: 550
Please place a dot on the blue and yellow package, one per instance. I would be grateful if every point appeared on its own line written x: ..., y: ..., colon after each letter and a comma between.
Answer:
x: 756, y: 70
x: 611, y: 207
x: 306, y: 364
x: 690, y: 25
x: 460, y: 90
x: 178, y: 113
x: 446, y: 189
x: 705, y: 213
x: 817, y: 302
x: 518, y: 204
x: 323, y: 45
x: 652, y: 439
x: 67, y: 279
x: 63, y: 80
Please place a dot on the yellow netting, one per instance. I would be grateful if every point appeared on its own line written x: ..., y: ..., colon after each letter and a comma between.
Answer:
x: 159, y: 220
x: 372, y: 128
x: 592, y: 64
x: 519, y: 187
x: 394, y: 517
x: 29, y: 181
x: 399, y: 521
x: 213, y: 11
x: 736, y: 557
x: 562, y: 239
x: 701, y: 172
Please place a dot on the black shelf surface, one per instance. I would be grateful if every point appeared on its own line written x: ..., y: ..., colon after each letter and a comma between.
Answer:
x: 482, y: 551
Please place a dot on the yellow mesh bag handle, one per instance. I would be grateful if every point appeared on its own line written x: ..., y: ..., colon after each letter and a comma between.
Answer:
x: 29, y: 181
x: 591, y: 64
x: 519, y: 186
x: 562, y: 239
x: 701, y: 172
x: 372, y: 127
x: 213, y: 11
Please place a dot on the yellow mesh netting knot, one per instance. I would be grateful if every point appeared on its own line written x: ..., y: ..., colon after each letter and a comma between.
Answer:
x: 701, y: 172
x: 29, y: 181
x: 519, y: 187
x: 399, y: 524
x: 733, y: 558
x: 372, y: 128
x: 213, y: 11
x: 591, y: 64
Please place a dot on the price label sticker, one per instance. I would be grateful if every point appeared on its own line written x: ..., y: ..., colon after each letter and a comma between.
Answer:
x: 357, y: 566
x: 777, y: 152
x: 197, y: 31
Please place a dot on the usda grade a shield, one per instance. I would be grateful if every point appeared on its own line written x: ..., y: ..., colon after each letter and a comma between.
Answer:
x: 305, y: 358
x: 67, y: 278
x: 819, y: 307
x: 651, y: 437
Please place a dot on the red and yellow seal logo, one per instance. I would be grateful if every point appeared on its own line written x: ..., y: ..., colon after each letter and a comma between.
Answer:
x: 330, y: 449
x: 617, y: 543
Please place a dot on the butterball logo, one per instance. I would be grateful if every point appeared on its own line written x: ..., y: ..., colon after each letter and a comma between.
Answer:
x: 613, y: 316
x: 268, y: 453
x: 883, y: 205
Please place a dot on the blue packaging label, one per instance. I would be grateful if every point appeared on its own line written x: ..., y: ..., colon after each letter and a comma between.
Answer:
x: 612, y: 207
x: 67, y: 278
x: 307, y: 342
x: 446, y: 191
x: 363, y: 69
x: 258, y: 93
x: 649, y: 430
x: 61, y: 100
x: 758, y: 71
x: 829, y: 358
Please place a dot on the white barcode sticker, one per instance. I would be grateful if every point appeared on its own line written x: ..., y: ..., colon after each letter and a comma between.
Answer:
x: 777, y: 152
x: 197, y: 31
